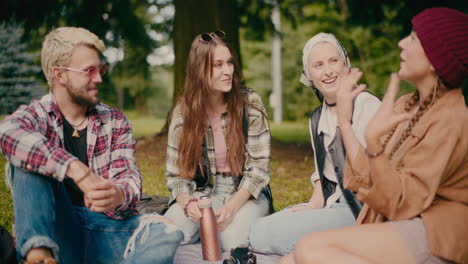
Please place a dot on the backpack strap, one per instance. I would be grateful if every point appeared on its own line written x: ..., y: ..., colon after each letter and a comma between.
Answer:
x: 339, y: 158
x: 328, y: 187
x: 203, y: 172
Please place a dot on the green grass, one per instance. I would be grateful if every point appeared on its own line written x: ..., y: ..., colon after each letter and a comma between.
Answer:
x: 297, y: 132
x: 144, y: 125
x: 154, y: 177
x: 290, y: 182
x: 6, y: 204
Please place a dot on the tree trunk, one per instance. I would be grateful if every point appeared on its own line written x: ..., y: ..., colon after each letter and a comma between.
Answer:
x: 193, y: 17
x: 276, y: 76
x: 344, y: 8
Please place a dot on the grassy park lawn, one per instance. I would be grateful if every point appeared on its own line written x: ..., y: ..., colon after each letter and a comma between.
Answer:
x: 291, y: 164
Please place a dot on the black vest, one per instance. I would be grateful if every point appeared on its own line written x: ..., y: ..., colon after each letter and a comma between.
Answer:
x: 337, y: 153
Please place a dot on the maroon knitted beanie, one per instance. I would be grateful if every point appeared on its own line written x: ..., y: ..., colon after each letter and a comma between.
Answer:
x: 443, y: 33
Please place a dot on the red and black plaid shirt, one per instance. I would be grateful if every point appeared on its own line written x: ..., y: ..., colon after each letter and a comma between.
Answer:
x: 32, y: 139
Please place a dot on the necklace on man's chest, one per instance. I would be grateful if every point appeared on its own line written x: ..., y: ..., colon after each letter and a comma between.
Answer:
x: 75, y: 133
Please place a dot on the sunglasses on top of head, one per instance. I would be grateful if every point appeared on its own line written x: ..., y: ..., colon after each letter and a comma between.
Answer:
x: 208, y: 37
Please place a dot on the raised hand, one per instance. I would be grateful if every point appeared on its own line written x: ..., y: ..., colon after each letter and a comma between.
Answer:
x: 385, y: 118
x: 347, y: 92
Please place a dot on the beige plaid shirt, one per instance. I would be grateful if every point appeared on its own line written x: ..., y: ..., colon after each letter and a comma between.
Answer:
x: 256, y: 173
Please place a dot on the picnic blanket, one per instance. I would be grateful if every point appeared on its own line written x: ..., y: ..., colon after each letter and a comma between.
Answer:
x: 192, y: 254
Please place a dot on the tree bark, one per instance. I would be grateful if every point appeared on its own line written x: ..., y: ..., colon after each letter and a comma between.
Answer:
x: 344, y: 8
x: 193, y: 17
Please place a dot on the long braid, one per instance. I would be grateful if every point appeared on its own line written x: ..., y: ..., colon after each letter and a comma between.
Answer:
x: 408, y: 106
x: 412, y: 101
x: 425, y: 105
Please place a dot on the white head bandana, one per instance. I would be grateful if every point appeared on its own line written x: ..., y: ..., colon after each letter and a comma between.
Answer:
x: 320, y: 37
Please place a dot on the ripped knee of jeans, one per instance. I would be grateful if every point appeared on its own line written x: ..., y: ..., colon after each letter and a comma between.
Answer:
x: 144, y: 228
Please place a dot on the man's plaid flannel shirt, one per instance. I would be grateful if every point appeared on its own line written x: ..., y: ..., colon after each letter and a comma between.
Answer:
x: 32, y: 139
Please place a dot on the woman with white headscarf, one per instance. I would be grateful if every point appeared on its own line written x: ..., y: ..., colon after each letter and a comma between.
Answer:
x: 331, y: 206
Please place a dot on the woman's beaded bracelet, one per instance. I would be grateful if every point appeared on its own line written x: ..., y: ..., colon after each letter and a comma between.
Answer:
x: 186, y: 205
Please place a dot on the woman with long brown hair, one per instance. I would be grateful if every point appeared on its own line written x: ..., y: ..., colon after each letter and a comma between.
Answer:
x: 413, y: 174
x: 219, y: 144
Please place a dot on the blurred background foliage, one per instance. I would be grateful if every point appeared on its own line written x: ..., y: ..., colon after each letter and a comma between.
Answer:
x: 19, y: 73
x: 139, y: 36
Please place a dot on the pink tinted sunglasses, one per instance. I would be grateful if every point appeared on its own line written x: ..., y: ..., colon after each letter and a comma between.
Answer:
x: 91, y: 71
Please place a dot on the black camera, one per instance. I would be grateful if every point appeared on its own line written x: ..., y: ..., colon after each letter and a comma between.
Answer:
x: 241, y: 255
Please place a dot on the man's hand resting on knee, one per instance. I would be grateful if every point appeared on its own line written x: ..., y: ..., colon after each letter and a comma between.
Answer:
x: 104, y: 196
x: 100, y: 194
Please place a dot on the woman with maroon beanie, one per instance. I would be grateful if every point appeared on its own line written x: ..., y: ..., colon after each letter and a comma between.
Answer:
x: 413, y: 178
